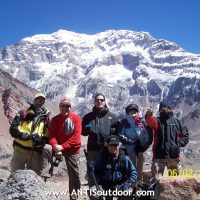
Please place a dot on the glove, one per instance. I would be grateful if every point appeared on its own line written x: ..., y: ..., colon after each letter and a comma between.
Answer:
x: 88, y: 126
x: 24, y: 136
x: 37, y: 139
x: 129, y: 141
x: 126, y: 185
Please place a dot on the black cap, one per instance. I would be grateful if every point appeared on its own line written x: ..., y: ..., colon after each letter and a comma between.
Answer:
x: 113, y: 139
x: 164, y: 104
x: 132, y: 106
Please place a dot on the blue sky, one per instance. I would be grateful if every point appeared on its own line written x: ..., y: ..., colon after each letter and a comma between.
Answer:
x: 173, y: 20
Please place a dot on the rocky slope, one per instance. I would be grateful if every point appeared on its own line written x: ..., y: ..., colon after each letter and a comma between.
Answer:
x: 14, y: 96
x: 25, y: 184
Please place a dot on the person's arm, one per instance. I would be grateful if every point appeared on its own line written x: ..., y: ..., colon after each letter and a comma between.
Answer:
x: 75, y: 139
x: 115, y: 123
x: 15, y: 132
x: 183, y: 135
x: 150, y: 119
x: 46, y: 121
x: 121, y: 132
x: 52, y: 133
x: 150, y: 132
x: 86, y: 126
x: 132, y: 173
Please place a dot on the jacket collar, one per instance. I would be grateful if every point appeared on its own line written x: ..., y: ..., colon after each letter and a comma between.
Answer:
x: 100, y: 113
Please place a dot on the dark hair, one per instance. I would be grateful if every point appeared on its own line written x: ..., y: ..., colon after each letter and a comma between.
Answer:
x: 99, y: 94
x: 164, y: 104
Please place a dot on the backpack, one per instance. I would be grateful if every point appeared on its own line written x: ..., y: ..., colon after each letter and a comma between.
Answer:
x: 145, y: 136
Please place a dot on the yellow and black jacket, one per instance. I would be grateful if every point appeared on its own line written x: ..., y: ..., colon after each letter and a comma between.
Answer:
x: 30, y: 128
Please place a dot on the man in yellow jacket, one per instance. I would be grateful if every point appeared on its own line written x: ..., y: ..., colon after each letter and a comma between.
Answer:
x: 30, y: 130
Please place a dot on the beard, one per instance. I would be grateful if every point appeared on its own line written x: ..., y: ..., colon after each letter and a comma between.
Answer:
x: 164, y: 116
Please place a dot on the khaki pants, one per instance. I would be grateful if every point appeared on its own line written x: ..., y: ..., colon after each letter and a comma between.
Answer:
x: 159, y: 165
x: 23, y: 159
x: 38, y: 162
x: 72, y: 162
x: 158, y: 170
x: 47, y: 160
x: 138, y: 161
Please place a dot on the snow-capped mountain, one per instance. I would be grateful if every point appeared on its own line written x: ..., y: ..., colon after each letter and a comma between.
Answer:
x: 124, y: 65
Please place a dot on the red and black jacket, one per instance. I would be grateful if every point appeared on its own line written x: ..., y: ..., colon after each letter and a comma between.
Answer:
x: 169, y: 136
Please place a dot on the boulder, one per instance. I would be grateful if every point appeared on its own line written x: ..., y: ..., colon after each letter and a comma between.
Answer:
x: 25, y: 185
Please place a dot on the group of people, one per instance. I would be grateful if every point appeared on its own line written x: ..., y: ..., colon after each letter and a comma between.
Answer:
x: 115, y: 146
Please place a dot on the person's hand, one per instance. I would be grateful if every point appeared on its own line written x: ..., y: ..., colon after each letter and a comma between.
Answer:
x: 58, y: 148
x: 149, y: 112
x: 88, y: 126
x: 126, y: 185
x: 37, y: 139
x: 58, y: 154
x: 130, y: 141
x: 24, y: 136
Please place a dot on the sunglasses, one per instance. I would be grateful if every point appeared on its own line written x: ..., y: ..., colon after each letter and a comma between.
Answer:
x: 65, y: 106
x: 102, y: 100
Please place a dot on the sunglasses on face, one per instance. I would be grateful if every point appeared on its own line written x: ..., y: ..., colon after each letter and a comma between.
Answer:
x: 101, y: 100
x: 65, y: 106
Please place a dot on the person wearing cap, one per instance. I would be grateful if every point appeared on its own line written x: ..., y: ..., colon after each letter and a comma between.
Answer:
x: 114, y: 170
x: 135, y: 136
x: 170, y: 134
x: 65, y: 138
x: 29, y: 129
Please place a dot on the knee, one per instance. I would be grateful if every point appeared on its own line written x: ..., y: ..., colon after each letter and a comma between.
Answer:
x: 47, y: 148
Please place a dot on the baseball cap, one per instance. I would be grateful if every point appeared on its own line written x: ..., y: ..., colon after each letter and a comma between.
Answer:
x: 40, y: 95
x: 65, y: 101
x: 113, y: 139
x: 132, y: 106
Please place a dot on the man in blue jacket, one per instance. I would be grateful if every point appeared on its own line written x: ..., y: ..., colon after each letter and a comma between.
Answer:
x: 114, y: 170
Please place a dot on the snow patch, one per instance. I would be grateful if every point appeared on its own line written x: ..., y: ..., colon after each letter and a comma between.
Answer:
x: 111, y: 73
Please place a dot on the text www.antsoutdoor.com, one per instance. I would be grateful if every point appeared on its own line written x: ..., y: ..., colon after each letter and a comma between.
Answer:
x: 57, y: 193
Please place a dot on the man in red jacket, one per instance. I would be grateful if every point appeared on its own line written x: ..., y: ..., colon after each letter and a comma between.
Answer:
x: 65, y: 139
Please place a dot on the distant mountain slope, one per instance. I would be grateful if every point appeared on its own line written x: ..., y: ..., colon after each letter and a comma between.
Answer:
x: 124, y: 65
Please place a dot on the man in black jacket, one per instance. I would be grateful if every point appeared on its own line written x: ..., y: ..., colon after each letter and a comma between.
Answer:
x: 98, y: 125
x: 170, y: 134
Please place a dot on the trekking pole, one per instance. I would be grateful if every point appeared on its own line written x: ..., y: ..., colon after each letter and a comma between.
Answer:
x: 92, y: 171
